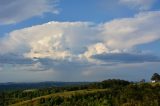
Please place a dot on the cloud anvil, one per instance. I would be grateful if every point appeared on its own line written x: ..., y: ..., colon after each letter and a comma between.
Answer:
x: 55, y: 45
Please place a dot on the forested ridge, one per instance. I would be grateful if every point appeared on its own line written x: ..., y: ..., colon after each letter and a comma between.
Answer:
x: 106, y: 93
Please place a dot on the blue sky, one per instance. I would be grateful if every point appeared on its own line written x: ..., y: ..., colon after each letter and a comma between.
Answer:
x: 79, y: 40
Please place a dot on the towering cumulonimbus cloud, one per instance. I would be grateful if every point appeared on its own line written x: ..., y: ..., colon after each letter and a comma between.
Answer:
x: 81, y: 50
x: 72, y: 40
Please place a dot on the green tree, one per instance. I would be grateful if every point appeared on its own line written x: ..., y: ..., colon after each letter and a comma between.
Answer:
x: 155, y: 77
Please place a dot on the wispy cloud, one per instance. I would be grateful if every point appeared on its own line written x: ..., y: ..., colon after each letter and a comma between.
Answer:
x: 19, y: 10
x: 138, y: 4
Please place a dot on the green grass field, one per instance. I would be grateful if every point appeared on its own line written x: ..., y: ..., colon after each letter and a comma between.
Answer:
x: 106, y: 93
x: 67, y: 94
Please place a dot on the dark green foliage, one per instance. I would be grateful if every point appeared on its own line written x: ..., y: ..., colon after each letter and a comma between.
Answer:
x: 155, y: 77
x: 130, y: 95
x: 117, y: 93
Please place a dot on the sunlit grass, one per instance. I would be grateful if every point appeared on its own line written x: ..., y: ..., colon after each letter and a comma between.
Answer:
x: 67, y: 94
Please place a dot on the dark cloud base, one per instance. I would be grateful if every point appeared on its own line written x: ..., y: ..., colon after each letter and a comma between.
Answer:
x: 127, y: 58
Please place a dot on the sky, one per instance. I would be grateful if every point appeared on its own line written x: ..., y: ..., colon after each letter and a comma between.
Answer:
x: 79, y: 40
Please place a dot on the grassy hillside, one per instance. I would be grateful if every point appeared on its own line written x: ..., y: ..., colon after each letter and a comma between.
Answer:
x: 69, y: 94
x: 105, y: 93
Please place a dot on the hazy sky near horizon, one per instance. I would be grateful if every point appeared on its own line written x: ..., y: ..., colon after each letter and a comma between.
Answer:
x: 79, y: 40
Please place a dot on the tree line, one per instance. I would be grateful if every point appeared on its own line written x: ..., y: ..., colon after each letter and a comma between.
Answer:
x: 119, y: 93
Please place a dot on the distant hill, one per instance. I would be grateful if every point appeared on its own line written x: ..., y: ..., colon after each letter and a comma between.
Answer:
x: 16, y: 86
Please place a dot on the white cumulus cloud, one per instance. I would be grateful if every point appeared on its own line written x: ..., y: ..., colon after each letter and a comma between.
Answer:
x: 76, y: 50
x: 72, y: 40
x: 56, y: 40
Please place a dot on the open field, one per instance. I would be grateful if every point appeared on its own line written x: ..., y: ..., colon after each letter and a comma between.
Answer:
x: 67, y: 94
